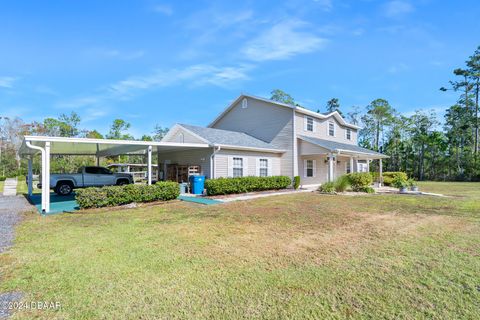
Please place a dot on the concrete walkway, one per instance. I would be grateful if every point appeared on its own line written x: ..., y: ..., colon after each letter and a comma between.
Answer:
x: 263, y: 195
x: 10, y: 187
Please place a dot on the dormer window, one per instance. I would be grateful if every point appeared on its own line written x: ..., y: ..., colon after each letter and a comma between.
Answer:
x: 244, y: 103
x: 309, y: 123
x: 348, y: 134
x: 331, y: 128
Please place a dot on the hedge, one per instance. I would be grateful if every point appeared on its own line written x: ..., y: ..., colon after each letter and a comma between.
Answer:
x: 120, y: 195
x: 3, y: 178
x: 245, y: 184
x: 389, y: 177
x: 360, y: 180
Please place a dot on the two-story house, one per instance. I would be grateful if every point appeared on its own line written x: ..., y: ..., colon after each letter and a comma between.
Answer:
x: 254, y: 136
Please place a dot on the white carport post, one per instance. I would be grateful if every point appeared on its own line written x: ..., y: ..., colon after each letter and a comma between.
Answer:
x: 149, y: 165
x: 351, y: 165
x: 30, y: 176
x: 46, y: 186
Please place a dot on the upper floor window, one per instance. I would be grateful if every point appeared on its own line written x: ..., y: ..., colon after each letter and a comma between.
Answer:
x: 263, y: 171
x: 331, y: 129
x: 348, y: 134
x: 309, y: 122
x: 237, y: 169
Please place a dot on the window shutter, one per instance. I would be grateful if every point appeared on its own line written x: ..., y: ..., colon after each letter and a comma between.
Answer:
x: 314, y: 168
x: 304, y: 123
x: 304, y: 168
x: 230, y: 166
x: 257, y: 167
x: 245, y: 166
x: 314, y: 125
x: 269, y: 163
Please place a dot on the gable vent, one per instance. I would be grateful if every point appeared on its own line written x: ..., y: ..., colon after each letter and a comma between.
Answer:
x: 244, y: 103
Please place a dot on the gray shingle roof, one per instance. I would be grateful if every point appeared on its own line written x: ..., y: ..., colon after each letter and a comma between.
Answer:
x: 333, y: 146
x: 226, y: 137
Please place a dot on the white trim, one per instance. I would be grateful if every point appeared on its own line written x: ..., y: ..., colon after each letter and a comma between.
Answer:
x: 258, y: 166
x: 305, y: 123
x: 244, y: 165
x: 227, y: 146
x: 334, y: 128
x: 305, y: 167
x: 244, y: 103
x: 346, y: 135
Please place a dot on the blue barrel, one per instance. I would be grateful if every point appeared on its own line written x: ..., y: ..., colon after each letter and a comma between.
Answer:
x: 197, y: 184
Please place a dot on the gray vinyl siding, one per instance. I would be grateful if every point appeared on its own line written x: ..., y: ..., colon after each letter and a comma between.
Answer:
x: 188, y: 157
x: 221, y: 162
x: 321, y: 127
x: 321, y: 175
x: 264, y: 121
x: 186, y: 138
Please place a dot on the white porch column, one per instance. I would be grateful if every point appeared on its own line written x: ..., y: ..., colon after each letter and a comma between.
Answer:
x: 330, y: 167
x: 368, y: 165
x: 30, y: 176
x: 380, y: 172
x: 149, y: 165
x: 46, y: 186
x: 351, y: 165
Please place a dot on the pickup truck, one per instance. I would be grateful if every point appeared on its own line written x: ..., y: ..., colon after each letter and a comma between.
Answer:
x: 63, y: 184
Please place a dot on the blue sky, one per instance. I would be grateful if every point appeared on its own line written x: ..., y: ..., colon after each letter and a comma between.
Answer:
x: 161, y: 62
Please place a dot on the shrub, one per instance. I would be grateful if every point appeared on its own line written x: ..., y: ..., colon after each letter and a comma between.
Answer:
x: 388, y: 177
x: 327, y: 187
x: 359, y: 180
x: 342, y: 183
x: 296, y: 182
x: 3, y: 178
x: 367, y: 189
x: 119, y: 195
x: 411, y: 183
x: 399, y: 182
x: 245, y: 184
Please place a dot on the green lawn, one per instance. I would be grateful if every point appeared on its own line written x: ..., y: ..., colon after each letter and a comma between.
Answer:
x: 293, y: 256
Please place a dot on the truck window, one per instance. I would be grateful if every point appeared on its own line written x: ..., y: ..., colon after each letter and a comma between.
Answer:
x: 104, y: 171
x: 92, y: 170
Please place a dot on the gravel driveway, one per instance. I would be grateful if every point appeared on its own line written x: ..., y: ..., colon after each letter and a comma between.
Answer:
x: 10, y: 209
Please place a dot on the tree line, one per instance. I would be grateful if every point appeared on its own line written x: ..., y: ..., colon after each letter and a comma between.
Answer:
x: 420, y: 144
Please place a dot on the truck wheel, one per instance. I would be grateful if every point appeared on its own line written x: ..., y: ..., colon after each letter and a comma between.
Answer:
x: 64, y: 188
x: 122, y: 182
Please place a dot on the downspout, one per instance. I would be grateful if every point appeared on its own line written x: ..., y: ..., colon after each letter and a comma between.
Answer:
x: 212, y: 162
x: 295, y: 153
x: 44, y: 194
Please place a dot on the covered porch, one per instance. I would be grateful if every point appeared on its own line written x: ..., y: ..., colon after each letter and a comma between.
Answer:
x: 48, y: 146
x: 322, y: 161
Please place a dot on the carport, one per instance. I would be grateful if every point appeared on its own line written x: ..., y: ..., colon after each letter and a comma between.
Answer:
x: 47, y: 146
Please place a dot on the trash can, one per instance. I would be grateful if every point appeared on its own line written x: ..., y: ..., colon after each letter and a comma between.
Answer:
x: 183, y: 188
x: 197, y: 184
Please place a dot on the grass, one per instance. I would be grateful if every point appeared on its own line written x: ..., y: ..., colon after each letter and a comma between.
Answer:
x: 2, y: 183
x: 293, y: 256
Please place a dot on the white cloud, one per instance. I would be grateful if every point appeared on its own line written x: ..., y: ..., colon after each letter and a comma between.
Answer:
x: 195, y: 75
x: 398, y: 8
x: 7, y: 82
x: 282, y: 41
x: 163, y: 9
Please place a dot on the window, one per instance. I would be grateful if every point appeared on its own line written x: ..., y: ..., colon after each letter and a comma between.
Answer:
x: 263, y: 172
x: 348, y: 134
x: 309, y: 166
x: 331, y: 129
x: 237, y: 167
x: 244, y: 103
x: 92, y: 170
x: 348, y: 169
x: 104, y: 171
x: 309, y: 124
